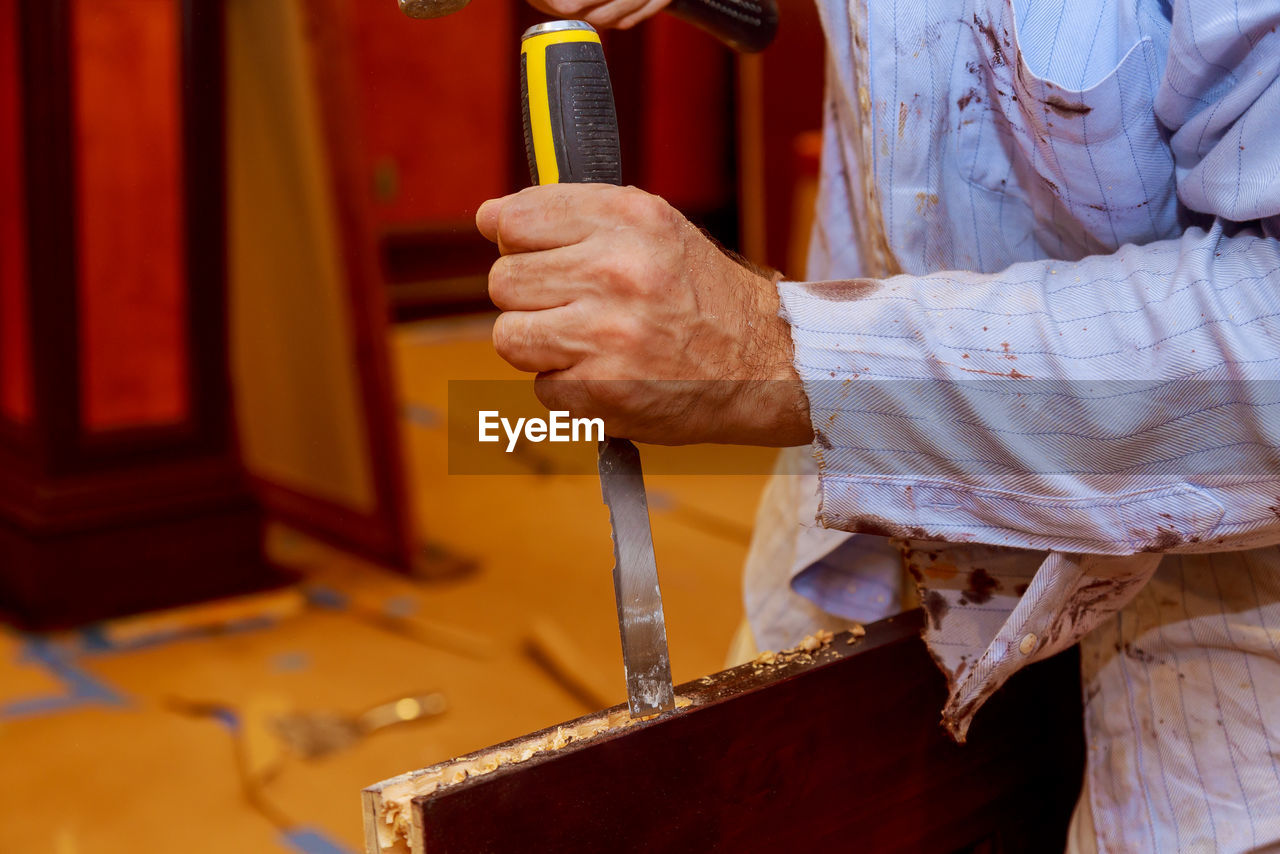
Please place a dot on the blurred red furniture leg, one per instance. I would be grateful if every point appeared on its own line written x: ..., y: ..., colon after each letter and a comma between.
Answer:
x: 120, y: 487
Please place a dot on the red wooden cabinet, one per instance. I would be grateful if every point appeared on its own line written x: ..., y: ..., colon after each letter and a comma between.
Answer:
x: 120, y: 488
x: 436, y: 103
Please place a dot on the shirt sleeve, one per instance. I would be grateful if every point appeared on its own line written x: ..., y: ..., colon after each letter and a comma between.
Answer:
x: 1118, y: 404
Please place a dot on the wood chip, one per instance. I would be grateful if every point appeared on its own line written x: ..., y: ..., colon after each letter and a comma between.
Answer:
x: 802, y: 652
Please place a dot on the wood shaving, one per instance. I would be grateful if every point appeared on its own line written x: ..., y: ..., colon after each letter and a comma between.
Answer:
x: 802, y: 652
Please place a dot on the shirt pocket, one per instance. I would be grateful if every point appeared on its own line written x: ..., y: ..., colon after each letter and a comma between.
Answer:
x: 1089, y: 163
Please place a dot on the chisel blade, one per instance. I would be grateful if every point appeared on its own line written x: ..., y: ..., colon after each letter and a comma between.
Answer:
x: 635, y: 580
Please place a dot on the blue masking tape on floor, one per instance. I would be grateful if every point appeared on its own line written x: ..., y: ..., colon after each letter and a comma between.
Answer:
x: 400, y: 606
x: 97, y: 639
x: 94, y: 638
x: 325, y: 597
x: 310, y: 841
x: 227, y: 717
x: 83, y: 688
x: 291, y: 662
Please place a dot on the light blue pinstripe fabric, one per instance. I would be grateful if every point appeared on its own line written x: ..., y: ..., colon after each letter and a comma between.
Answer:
x: 1064, y: 362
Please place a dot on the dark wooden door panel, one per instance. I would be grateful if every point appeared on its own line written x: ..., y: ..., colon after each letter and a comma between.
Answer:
x: 843, y: 752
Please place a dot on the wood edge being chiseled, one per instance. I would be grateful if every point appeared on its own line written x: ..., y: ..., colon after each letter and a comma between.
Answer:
x: 391, y: 820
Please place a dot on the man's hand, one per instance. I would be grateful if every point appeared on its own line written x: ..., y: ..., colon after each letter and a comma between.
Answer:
x: 601, y: 14
x: 627, y: 312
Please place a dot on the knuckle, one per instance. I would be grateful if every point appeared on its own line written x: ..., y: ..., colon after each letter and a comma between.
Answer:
x: 500, y: 335
x: 501, y: 282
x: 665, y: 215
x: 550, y: 392
x: 635, y: 204
x: 506, y: 336
x: 513, y: 220
x: 559, y: 207
x: 557, y: 391
x: 646, y: 205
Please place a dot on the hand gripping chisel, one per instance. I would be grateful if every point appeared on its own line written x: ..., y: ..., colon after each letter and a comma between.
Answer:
x: 571, y: 136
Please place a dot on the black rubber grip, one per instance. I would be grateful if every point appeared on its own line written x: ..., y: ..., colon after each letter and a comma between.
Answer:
x: 524, y: 114
x: 745, y: 25
x: 583, y: 120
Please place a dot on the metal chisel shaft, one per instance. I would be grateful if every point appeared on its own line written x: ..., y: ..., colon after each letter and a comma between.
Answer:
x: 635, y: 580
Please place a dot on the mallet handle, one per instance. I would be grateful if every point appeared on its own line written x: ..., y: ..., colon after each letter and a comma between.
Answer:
x: 745, y: 25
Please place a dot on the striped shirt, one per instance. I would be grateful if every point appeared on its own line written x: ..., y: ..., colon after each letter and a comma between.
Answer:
x: 1041, y: 345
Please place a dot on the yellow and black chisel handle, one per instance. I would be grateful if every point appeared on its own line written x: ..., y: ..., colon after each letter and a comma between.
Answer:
x: 570, y: 126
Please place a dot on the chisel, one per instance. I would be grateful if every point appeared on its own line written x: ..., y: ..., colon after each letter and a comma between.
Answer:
x: 571, y: 136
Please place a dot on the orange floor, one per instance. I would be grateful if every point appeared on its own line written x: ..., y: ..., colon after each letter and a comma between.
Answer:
x: 163, y: 734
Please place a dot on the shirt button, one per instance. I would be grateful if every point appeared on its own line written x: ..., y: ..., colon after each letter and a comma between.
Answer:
x: 1028, y: 644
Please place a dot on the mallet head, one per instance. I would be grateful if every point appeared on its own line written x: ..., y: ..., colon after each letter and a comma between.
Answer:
x: 431, y: 8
